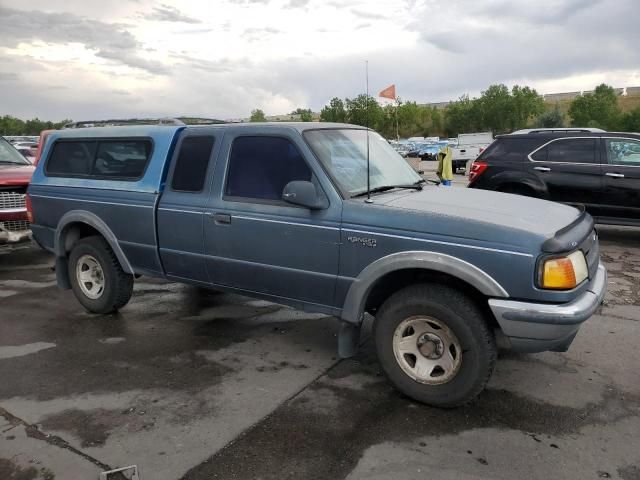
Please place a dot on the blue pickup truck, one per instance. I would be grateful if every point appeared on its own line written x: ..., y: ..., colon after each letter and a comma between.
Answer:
x: 288, y: 213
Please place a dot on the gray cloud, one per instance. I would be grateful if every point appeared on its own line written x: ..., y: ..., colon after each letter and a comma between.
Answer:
x: 262, y: 31
x: 249, y: 2
x: 363, y: 25
x: 8, y: 76
x: 366, y: 14
x: 554, y: 11
x: 195, y: 31
x: 213, y: 66
x: 298, y: 3
x: 167, y: 13
x: 110, y: 40
x: 462, y: 48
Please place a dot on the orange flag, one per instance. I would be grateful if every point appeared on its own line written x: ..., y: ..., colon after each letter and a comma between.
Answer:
x: 389, y: 92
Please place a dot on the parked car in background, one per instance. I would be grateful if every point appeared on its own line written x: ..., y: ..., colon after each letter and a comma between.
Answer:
x: 15, y: 174
x: 468, y: 147
x: 403, y: 148
x: 13, y: 139
x: 284, y: 212
x: 28, y: 151
x: 429, y: 152
x: 590, y: 167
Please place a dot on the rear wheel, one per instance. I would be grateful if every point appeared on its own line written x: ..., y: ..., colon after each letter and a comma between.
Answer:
x: 434, y: 345
x: 97, y: 279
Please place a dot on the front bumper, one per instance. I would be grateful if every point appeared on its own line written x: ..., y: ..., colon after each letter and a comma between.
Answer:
x: 539, y: 327
x: 13, y: 226
x: 14, y: 237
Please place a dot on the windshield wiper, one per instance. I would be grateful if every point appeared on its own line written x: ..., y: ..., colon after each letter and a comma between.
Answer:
x: 414, y: 186
x: 12, y: 163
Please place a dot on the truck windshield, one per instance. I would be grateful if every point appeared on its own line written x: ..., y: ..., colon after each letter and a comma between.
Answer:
x: 8, y: 154
x: 343, y: 152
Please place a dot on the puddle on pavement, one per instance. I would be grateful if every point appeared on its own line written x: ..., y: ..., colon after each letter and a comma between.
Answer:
x: 331, y: 424
x: 21, y: 350
x: 10, y: 470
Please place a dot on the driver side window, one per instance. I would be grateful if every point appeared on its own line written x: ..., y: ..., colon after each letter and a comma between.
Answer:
x: 261, y: 166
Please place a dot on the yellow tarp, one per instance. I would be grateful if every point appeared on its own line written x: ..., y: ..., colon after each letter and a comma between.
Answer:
x: 445, y: 164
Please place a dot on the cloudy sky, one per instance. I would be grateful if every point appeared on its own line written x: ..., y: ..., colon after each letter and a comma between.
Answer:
x: 84, y: 59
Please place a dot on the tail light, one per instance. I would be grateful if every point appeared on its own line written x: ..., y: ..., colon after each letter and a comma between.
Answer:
x: 27, y: 201
x: 477, y: 168
x: 43, y: 138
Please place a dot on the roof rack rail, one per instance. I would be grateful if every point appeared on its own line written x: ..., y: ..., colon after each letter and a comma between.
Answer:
x: 558, y: 130
x: 124, y: 122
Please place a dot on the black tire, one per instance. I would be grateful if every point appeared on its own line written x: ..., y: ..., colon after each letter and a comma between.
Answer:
x: 118, y: 285
x: 457, y: 312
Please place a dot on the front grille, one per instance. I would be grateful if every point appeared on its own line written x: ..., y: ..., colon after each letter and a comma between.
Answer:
x: 14, y: 225
x: 12, y: 200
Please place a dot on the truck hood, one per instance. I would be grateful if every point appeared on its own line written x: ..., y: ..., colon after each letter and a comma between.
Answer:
x: 517, y: 212
x: 15, y: 175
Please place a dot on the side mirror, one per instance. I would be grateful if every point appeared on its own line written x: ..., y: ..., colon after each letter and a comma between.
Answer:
x: 305, y: 194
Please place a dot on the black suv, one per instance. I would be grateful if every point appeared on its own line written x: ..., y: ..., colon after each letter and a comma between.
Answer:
x: 598, y: 169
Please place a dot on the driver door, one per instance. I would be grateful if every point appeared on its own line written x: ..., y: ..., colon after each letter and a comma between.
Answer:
x: 254, y: 240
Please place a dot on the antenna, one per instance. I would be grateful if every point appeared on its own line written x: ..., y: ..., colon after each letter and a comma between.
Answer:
x: 366, y: 70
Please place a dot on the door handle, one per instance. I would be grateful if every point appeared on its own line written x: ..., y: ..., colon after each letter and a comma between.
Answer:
x: 542, y: 169
x: 614, y: 175
x: 220, y: 217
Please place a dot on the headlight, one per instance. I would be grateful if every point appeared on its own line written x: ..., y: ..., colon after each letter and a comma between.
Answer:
x: 564, y: 273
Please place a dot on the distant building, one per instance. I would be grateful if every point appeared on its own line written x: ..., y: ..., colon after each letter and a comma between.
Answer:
x: 633, y: 91
x: 558, y: 97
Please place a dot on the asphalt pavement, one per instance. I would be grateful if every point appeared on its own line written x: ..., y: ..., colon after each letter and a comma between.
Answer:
x: 190, y: 384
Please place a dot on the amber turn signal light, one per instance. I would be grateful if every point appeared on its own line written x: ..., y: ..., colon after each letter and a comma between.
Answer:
x: 564, y: 273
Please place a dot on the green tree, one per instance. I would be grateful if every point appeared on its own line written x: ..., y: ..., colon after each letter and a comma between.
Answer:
x: 598, y: 109
x: 631, y: 121
x: 334, y: 112
x: 257, y: 115
x: 437, y: 122
x: 365, y: 110
x: 306, y: 115
x: 525, y: 104
x: 11, y: 126
x: 463, y: 116
x: 14, y: 126
x: 551, y: 119
x: 496, y: 108
x: 409, y: 119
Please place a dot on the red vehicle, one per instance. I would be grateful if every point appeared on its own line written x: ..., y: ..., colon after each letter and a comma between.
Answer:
x: 15, y: 175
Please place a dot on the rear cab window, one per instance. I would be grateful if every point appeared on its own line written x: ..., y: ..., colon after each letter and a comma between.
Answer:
x: 117, y: 159
x: 192, y: 163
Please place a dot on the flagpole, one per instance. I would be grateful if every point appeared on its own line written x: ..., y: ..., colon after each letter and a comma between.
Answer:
x: 397, y: 128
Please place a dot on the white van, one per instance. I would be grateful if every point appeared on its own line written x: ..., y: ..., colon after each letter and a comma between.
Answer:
x: 470, y: 145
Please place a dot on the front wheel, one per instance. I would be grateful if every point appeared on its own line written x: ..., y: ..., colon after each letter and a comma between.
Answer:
x: 97, y: 279
x: 434, y: 345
